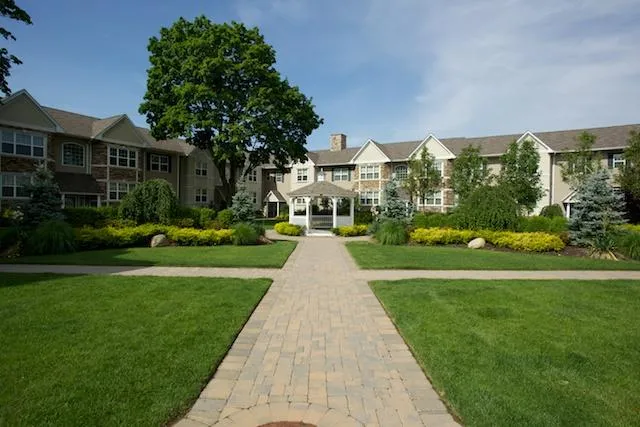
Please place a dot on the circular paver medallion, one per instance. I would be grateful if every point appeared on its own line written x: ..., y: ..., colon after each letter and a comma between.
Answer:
x: 287, y: 424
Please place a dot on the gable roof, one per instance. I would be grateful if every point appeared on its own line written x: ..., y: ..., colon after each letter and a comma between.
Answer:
x: 322, y: 188
x: 606, y: 137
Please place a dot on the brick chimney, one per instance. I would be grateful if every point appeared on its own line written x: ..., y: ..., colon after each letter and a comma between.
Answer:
x: 338, y: 141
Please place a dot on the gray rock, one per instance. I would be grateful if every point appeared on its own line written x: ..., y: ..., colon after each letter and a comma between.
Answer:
x: 159, y: 240
x: 477, y: 243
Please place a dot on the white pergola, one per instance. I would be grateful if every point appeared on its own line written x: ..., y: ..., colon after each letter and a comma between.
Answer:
x: 321, y: 189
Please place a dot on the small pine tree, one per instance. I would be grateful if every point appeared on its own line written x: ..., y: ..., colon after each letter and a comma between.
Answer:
x: 596, y: 214
x: 393, y: 207
x: 45, y: 199
x: 242, y: 205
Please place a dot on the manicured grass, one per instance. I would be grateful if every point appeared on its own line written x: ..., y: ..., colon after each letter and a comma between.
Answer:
x: 104, y: 350
x: 262, y: 256
x: 525, y: 353
x: 376, y: 256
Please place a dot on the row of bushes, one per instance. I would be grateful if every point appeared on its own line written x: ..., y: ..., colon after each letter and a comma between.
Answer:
x: 287, y: 229
x: 556, y: 224
x: 350, y: 230
x: 528, y: 242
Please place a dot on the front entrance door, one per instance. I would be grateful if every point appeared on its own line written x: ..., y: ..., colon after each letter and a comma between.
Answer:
x: 272, y: 209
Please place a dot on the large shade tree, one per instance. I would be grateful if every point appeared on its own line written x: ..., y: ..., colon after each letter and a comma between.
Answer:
x: 470, y: 171
x: 216, y: 86
x: 582, y: 162
x: 9, y: 9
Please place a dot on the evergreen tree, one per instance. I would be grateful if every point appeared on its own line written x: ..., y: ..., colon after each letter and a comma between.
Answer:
x: 469, y: 172
x: 393, y: 207
x: 242, y: 205
x: 45, y: 199
x: 520, y: 174
x: 596, y: 214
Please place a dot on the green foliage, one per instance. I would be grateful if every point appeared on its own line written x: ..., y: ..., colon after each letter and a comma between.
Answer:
x: 363, y: 217
x: 242, y: 205
x: 184, y: 222
x: 225, y: 218
x: 532, y: 224
x: 51, y: 237
x: 581, y: 163
x: 423, y: 178
x: 199, y: 216
x: 527, y: 242
x: 152, y: 201
x: 80, y: 217
x: 244, y: 234
x: 8, y: 237
x: 596, y: 213
x: 469, y: 172
x: 393, y: 207
x: 489, y: 208
x: 520, y: 175
x: 428, y: 220
x: 287, y: 229
x: 629, y: 245
x: 392, y: 232
x: 11, y: 217
x: 350, y: 230
x: 45, y: 199
x: 259, y: 228
x: 552, y: 211
x: 629, y: 176
x: 216, y: 85
x: 8, y: 9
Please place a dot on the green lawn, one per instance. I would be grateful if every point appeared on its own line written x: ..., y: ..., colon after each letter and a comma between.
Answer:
x: 196, y: 256
x: 525, y: 353
x: 104, y: 350
x: 376, y: 256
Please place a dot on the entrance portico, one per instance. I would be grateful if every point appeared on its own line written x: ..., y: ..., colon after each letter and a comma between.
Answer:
x: 322, y: 190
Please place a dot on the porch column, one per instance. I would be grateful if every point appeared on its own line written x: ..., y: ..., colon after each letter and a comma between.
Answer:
x: 277, y: 207
x: 292, y: 211
x: 334, y: 202
x: 307, y: 205
x: 352, y: 208
x: 99, y: 200
x: 63, y: 201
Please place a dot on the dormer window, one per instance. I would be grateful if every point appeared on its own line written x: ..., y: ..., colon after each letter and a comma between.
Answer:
x: 73, y: 154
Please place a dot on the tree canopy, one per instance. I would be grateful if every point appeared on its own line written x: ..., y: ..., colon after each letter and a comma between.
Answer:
x: 470, y: 171
x: 581, y: 163
x: 8, y: 9
x: 520, y: 174
x: 629, y: 176
x: 216, y: 86
x: 423, y: 178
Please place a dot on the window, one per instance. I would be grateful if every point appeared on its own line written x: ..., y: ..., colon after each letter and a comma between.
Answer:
x: 370, y: 198
x: 616, y: 160
x: 340, y: 174
x: 299, y: 201
x: 439, y: 166
x: 201, y: 195
x: 22, y: 144
x: 255, y: 197
x: 159, y: 163
x: 434, y: 199
x: 117, y: 190
x: 252, y: 176
x: 278, y: 177
x: 122, y: 157
x: 201, y: 168
x: 370, y: 172
x: 72, y: 154
x: 13, y: 185
x: 303, y: 175
x: 80, y: 201
x: 401, y: 172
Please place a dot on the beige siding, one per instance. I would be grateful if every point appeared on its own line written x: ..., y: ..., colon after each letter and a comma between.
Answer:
x: 189, y: 181
x: 123, y: 132
x: 269, y: 183
x: 170, y: 177
x: 371, y: 154
x: 349, y: 185
x: 22, y: 111
x: 311, y: 175
x: 436, y: 149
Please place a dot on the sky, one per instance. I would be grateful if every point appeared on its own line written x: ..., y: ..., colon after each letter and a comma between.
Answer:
x: 390, y: 70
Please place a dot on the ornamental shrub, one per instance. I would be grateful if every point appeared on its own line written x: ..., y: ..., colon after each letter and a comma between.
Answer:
x: 350, y: 230
x: 489, y: 208
x: 80, y: 217
x: 552, y: 211
x: 363, y: 217
x: 152, y: 201
x: 392, y: 207
x: 225, y: 218
x: 242, y: 205
x: 51, y: 237
x: 184, y: 222
x: 392, y: 232
x: 428, y: 220
x: 259, y: 228
x: 244, y: 234
x: 45, y: 199
x: 8, y: 237
x: 629, y: 244
x: 287, y: 229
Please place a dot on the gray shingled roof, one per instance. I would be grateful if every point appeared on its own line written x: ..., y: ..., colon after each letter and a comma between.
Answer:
x: 607, y: 137
x: 328, y: 157
x: 322, y: 188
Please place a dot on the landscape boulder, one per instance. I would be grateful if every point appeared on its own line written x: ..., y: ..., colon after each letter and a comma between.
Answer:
x: 477, y: 243
x: 159, y: 240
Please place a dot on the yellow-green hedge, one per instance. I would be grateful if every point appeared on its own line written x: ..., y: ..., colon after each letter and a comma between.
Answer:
x: 112, y: 237
x: 351, y: 230
x: 632, y: 227
x: 288, y: 229
x: 528, y: 242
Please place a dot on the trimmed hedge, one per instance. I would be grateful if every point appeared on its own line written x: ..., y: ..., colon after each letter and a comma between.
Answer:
x: 527, y: 242
x: 122, y: 237
x: 532, y: 224
x: 351, y: 230
x: 287, y: 229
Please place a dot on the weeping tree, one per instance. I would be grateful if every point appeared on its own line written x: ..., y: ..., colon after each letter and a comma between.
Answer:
x: 216, y: 86
x: 596, y: 215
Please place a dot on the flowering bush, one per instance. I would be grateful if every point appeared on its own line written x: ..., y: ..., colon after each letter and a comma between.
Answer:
x: 287, y: 229
x: 351, y: 230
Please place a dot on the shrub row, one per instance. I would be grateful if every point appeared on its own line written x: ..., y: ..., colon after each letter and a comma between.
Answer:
x: 530, y: 224
x: 288, y: 229
x: 350, y: 230
x: 528, y: 242
x: 112, y: 237
x: 185, y: 217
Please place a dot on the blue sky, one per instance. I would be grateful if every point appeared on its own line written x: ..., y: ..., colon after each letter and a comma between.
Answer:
x: 389, y: 70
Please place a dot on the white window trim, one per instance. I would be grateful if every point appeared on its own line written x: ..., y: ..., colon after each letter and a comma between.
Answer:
x: 130, y: 187
x: 340, y: 174
x: 252, y: 176
x: 617, y: 163
x: 373, y: 195
x: 406, y: 171
x: 202, y: 167
x: 202, y: 195
x: 435, y: 196
x: 278, y: 177
x: 31, y: 135
x: 302, y: 172
x: 439, y: 163
x: 157, y: 160
x: 364, y: 171
x: 84, y: 154
x: 118, y: 157
x: 14, y: 177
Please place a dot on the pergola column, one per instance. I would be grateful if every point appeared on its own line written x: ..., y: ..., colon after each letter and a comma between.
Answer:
x: 352, y: 209
x: 292, y: 210
x: 334, y: 202
x: 307, y: 204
